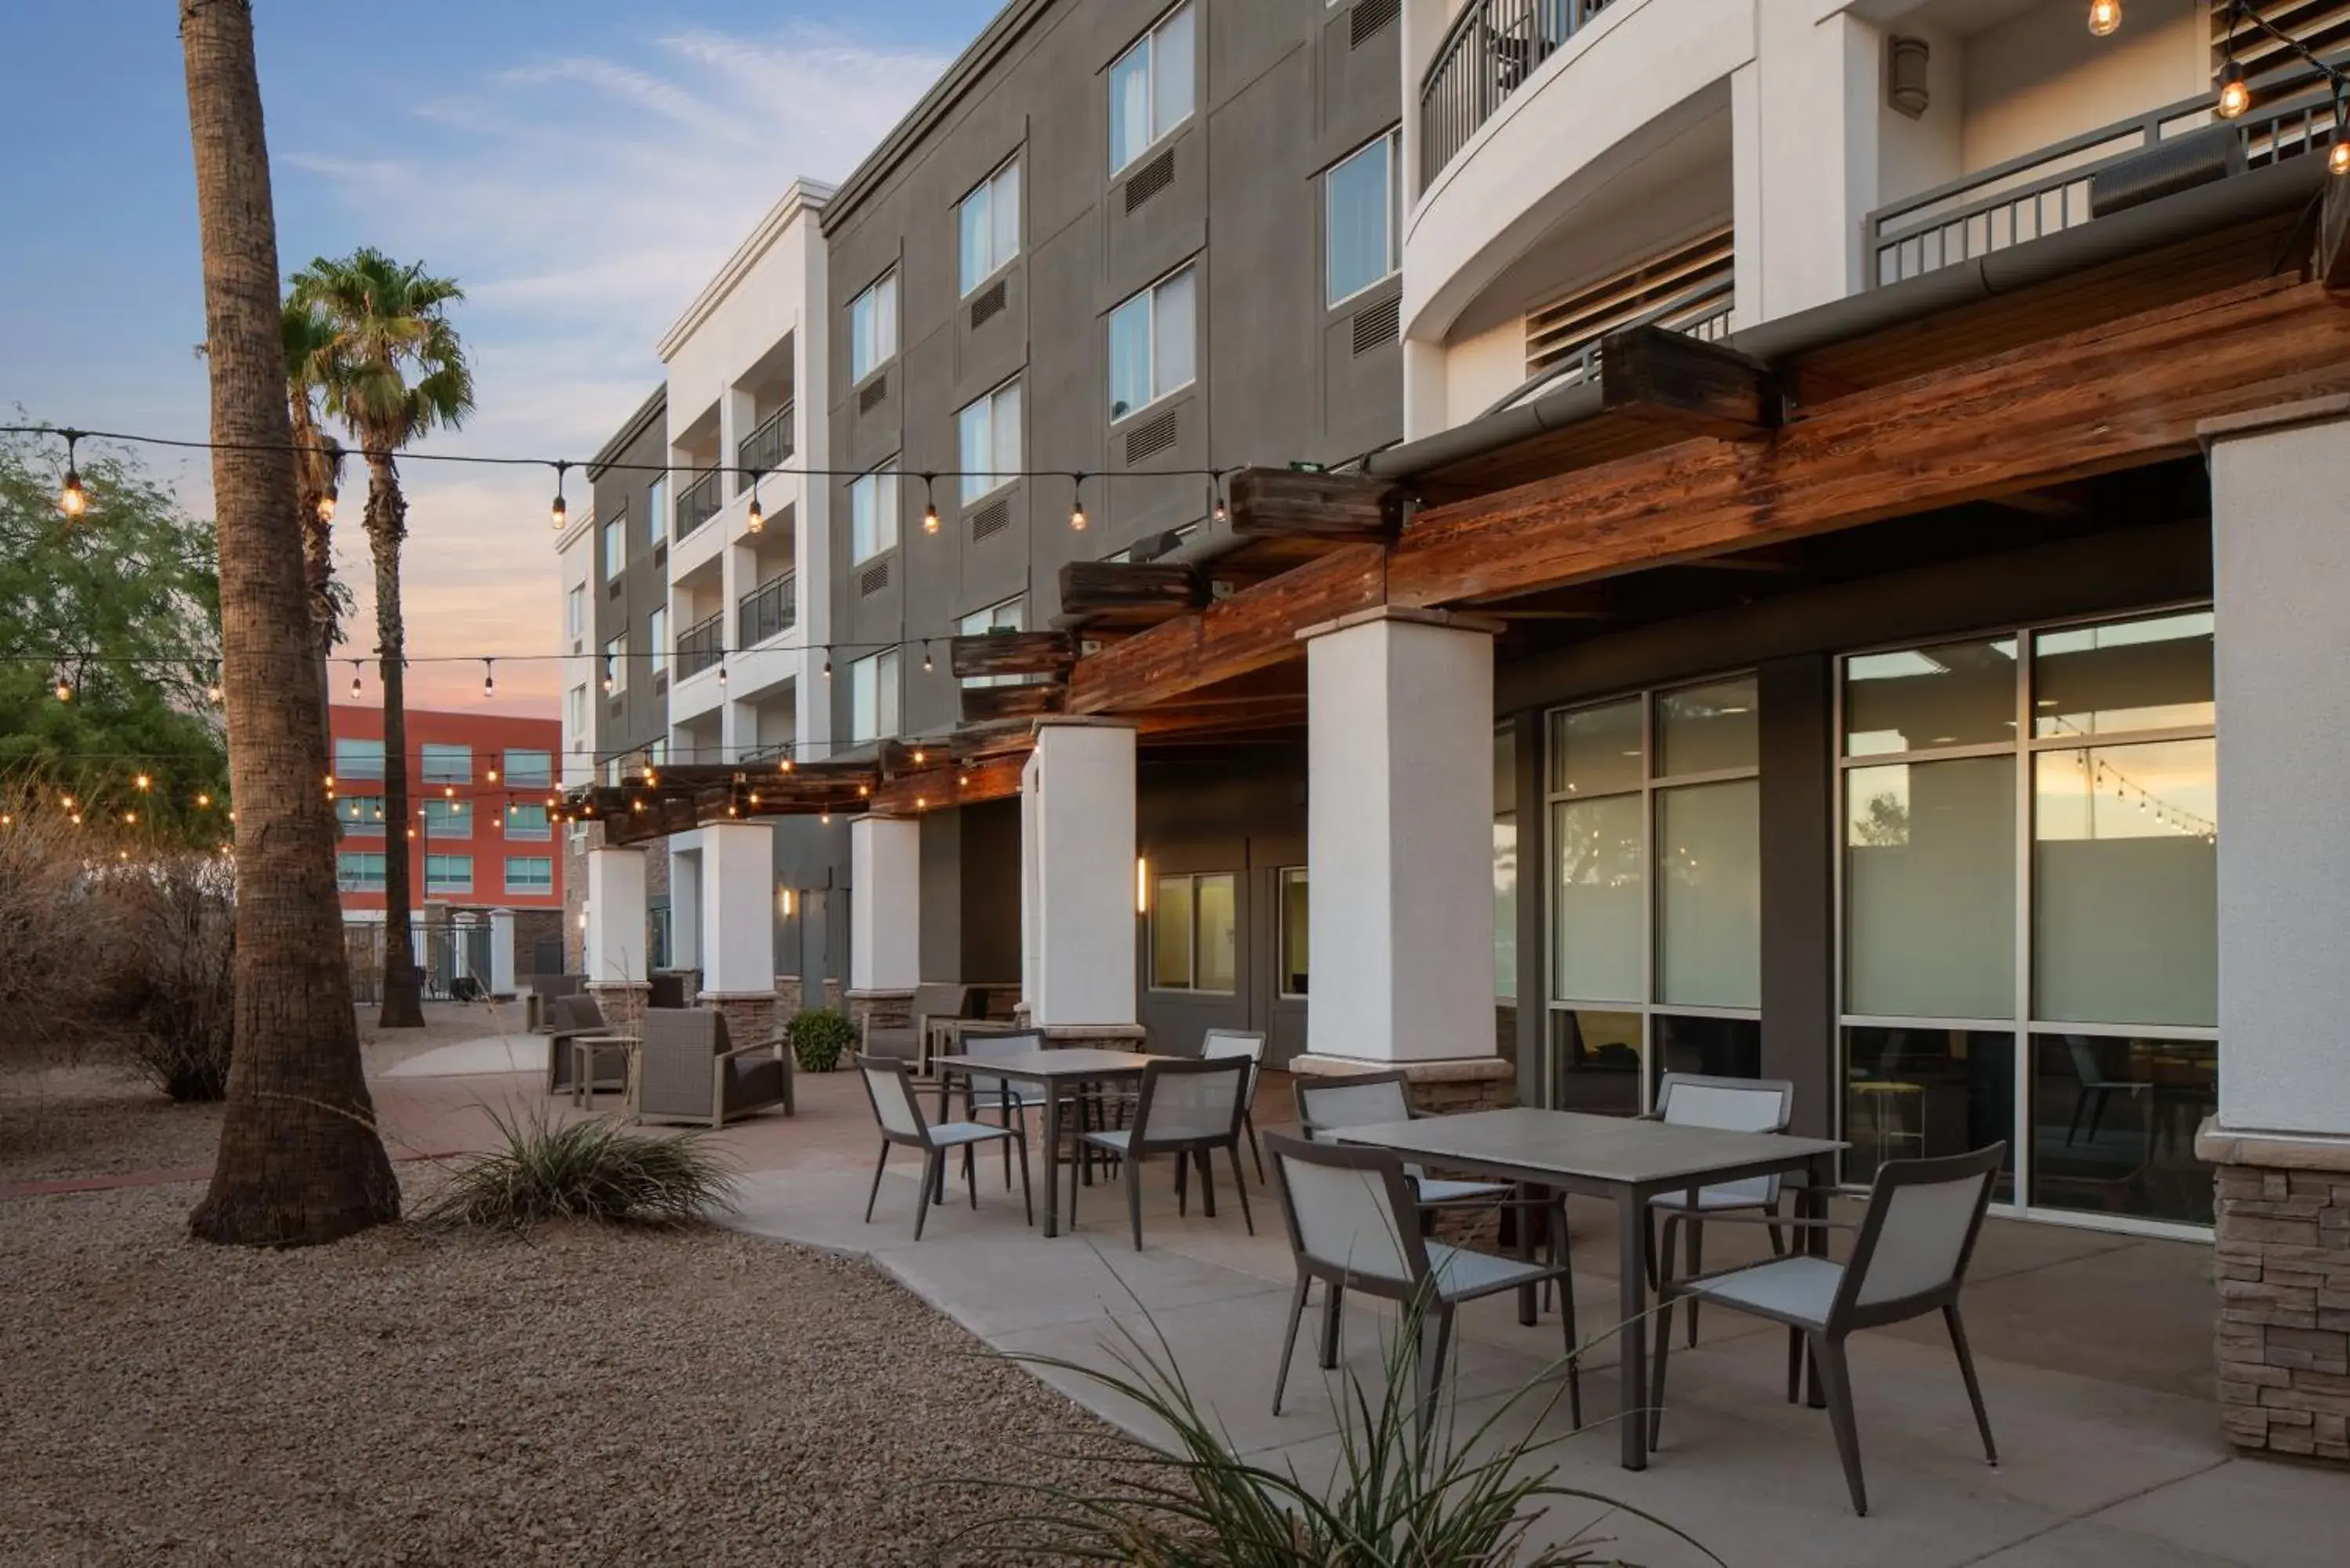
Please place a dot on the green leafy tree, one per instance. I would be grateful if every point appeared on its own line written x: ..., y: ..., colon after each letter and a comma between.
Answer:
x: 393, y: 372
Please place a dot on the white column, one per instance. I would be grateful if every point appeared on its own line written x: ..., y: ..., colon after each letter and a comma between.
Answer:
x: 686, y: 868
x: 885, y: 934
x: 616, y: 918
x: 1805, y: 117
x: 2282, y: 559
x: 738, y: 909
x: 1399, y: 838
x: 502, y: 952
x: 1078, y: 929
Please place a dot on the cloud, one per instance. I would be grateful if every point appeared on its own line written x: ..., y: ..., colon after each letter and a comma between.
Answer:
x: 583, y: 200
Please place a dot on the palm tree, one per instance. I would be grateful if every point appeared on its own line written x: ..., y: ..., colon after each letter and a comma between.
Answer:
x: 299, y: 1159
x: 396, y: 371
x: 319, y: 470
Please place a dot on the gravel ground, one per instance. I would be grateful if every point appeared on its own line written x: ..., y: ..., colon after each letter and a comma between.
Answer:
x: 583, y: 1396
x: 96, y: 1121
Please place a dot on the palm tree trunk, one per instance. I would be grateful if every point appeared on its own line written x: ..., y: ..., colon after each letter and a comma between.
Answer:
x: 387, y: 525
x: 313, y: 472
x: 299, y: 1159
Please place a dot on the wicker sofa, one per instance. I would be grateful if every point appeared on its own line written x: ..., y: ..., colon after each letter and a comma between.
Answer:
x: 688, y: 1070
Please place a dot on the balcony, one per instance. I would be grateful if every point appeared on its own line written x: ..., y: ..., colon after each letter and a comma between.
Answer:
x: 2047, y: 191
x: 769, y: 610
x: 701, y: 646
x: 699, y: 501
x: 1493, y: 47
x: 1690, y: 289
x: 769, y: 447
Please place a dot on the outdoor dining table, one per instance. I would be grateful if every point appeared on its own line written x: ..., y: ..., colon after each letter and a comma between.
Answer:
x: 1626, y: 1161
x: 1049, y: 1070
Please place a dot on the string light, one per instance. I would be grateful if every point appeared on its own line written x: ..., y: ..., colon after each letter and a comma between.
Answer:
x: 2104, y: 18
x: 1077, y: 503
x: 722, y: 674
x: 1217, y: 510
x: 490, y: 687
x: 212, y: 691
x: 355, y: 677
x: 2235, y: 98
x: 607, y: 675
x: 72, y: 499
x: 326, y: 504
x: 2337, y: 158
x: 556, y: 513
x: 143, y: 781
x: 757, y: 519
x: 930, y: 503
x: 927, y: 666
x: 827, y: 667
x: 65, y: 689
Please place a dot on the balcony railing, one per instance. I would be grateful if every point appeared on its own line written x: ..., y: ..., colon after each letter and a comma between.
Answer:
x: 2047, y: 191
x: 1492, y: 48
x: 768, y: 447
x: 768, y: 611
x: 698, y: 503
x: 701, y: 646
x: 1691, y: 289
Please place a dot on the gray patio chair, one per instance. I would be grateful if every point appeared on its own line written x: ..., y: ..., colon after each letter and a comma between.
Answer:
x: 1724, y: 1105
x: 1188, y: 1108
x: 983, y: 1092
x: 569, y: 1018
x: 1373, y: 1099
x: 889, y: 1084
x: 688, y: 1070
x: 904, y: 1041
x: 1220, y: 1042
x: 1353, y: 1224
x: 1909, y: 1257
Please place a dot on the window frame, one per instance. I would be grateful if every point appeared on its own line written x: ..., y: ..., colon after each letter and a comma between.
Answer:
x: 887, y: 699
x: 1391, y: 141
x: 448, y: 883
x: 1148, y: 297
x: 616, y: 546
x: 987, y: 620
x: 575, y: 613
x: 882, y: 289
x: 656, y: 508
x: 657, y: 641
x: 990, y: 191
x: 999, y: 474
x: 454, y: 822
x: 357, y: 764
x: 616, y: 660
x: 1284, y: 877
x: 542, y: 831
x: 366, y: 818
x: 889, y: 492
x: 361, y: 882
x: 527, y: 774
x: 449, y: 751
x: 534, y: 888
x: 1194, y: 880
x: 1147, y: 45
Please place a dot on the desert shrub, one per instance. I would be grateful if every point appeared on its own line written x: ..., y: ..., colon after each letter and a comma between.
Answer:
x: 819, y: 1039
x: 594, y: 1170
x: 56, y: 937
x: 170, y: 1009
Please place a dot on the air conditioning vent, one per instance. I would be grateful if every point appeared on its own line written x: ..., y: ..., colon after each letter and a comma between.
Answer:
x: 1150, y: 438
x: 1376, y: 325
x: 873, y: 580
x: 1687, y: 289
x: 1369, y: 16
x: 987, y: 305
x: 872, y: 396
x: 1149, y: 179
x: 992, y: 518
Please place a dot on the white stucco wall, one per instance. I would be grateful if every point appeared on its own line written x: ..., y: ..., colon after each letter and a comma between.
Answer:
x: 2041, y: 77
x: 885, y: 936
x: 1078, y: 848
x: 616, y: 917
x: 738, y: 908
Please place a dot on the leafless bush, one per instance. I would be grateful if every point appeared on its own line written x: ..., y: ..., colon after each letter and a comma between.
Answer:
x: 171, y: 1010
x: 57, y: 939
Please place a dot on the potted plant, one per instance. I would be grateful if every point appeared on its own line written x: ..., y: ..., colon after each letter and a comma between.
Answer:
x: 819, y: 1038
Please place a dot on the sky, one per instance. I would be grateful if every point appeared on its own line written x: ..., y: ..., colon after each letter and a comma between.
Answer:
x: 581, y: 167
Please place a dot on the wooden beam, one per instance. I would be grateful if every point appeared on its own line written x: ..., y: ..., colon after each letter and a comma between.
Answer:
x: 983, y: 703
x: 1652, y: 373
x: 1284, y: 502
x: 1248, y: 631
x: 1130, y: 591
x: 2115, y: 396
x: 1012, y: 653
x: 966, y: 783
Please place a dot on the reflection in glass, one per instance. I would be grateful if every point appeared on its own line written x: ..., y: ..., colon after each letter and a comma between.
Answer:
x: 1709, y: 928
x: 1930, y: 889
x: 1917, y: 699
x: 1598, y: 900
x: 1596, y: 751
x: 1217, y: 957
x: 1170, y: 934
x: 1717, y: 1047
x: 1594, y: 1061
x: 2112, y: 1125
x: 1926, y: 1092
x: 1706, y: 729
x: 1506, y: 908
x: 1295, y: 929
x: 2128, y: 675
x: 2125, y: 884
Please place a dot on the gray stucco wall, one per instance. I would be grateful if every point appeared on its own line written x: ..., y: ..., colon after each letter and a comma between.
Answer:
x: 636, y: 715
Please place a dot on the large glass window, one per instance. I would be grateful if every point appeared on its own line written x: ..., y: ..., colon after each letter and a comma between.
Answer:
x: 445, y: 763
x: 987, y: 438
x: 873, y: 512
x: 1194, y: 932
x: 1150, y: 87
x: 1365, y: 233
x: 1654, y: 892
x: 357, y: 759
x: 361, y: 815
x: 657, y: 641
x: 447, y: 819
x: 447, y: 873
x: 873, y: 697
x: 1505, y: 864
x: 529, y: 769
x: 1296, y: 929
x: 359, y: 871
x: 530, y: 874
x: 656, y: 513
x: 873, y: 327
x: 528, y: 822
x: 2031, y: 831
x: 575, y: 613
x: 1012, y: 615
x: 1152, y: 343
x: 616, y: 546
x: 988, y: 226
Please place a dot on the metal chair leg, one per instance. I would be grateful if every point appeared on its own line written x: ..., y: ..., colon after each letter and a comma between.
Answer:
x: 970, y: 1173
x: 876, y: 1193
x: 1028, y: 1201
x: 1248, y: 1123
x: 1974, y: 1389
x: 1207, y: 1180
x: 1656, y: 1412
x: 1240, y: 1184
x: 1696, y: 1267
x: 1795, y: 1366
x: 1431, y: 1368
x: 1289, y: 1340
x: 1182, y: 1185
x: 1558, y: 1257
x: 1134, y: 1193
x: 1837, y: 1374
x: 934, y: 1171
x: 1333, y: 1301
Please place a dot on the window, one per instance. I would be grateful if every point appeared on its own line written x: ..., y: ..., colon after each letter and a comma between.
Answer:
x: 873, y: 327
x: 1295, y: 929
x: 528, y: 822
x: 358, y: 759
x: 989, y: 224
x: 873, y: 512
x: 1365, y: 240
x: 361, y: 815
x: 1505, y: 865
x: 657, y: 641
x: 359, y: 871
x: 2029, y: 909
x: 575, y: 613
x: 616, y: 665
x: 1012, y: 615
x: 987, y: 436
x: 447, y: 819
x: 1193, y: 932
x: 1655, y: 892
x: 1151, y: 90
x: 445, y: 763
x: 528, y: 874
x: 873, y: 697
x: 616, y: 547
x: 1152, y: 342
x: 579, y: 724
x: 656, y: 510
x: 447, y: 873
x: 529, y: 770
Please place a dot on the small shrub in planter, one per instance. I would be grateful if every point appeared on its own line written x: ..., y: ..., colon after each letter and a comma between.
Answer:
x: 820, y: 1038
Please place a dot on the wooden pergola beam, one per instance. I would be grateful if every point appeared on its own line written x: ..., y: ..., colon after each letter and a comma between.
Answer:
x: 1288, y: 503
x: 986, y: 704
x: 1130, y: 591
x: 1012, y: 653
x: 950, y: 785
x: 1650, y: 373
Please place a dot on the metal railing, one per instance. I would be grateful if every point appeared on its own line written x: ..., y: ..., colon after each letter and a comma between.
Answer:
x: 701, y: 646
x: 768, y: 611
x: 767, y: 447
x: 698, y: 503
x: 2047, y: 191
x: 1702, y: 310
x: 1492, y: 48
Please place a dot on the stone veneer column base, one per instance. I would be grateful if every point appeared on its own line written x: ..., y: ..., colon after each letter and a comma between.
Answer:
x: 1443, y: 1088
x: 831, y: 994
x: 788, y: 1002
x: 885, y: 1009
x: 751, y: 1018
x: 1095, y: 1036
x: 623, y: 1006
x: 2283, y: 1212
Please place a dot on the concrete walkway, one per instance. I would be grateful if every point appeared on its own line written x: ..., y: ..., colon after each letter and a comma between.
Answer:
x: 491, y: 1055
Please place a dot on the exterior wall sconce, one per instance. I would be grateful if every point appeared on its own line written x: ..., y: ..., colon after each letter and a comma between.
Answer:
x: 1904, y: 76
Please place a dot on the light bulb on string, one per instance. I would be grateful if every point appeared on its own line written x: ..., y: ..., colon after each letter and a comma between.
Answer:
x: 827, y: 667
x: 2235, y: 97
x: 327, y: 499
x: 72, y: 499
x: 722, y: 674
x: 1077, y: 503
x: 65, y: 689
x: 2337, y: 157
x: 607, y: 675
x: 1218, y: 510
x: 558, y: 512
x: 355, y: 677
x: 490, y: 686
x: 927, y: 665
x: 757, y: 519
x: 930, y: 503
x: 2104, y: 18
x: 213, y: 690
